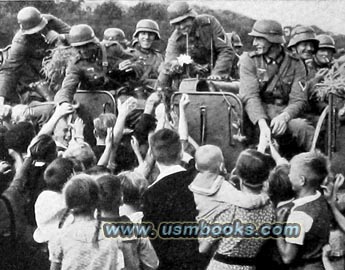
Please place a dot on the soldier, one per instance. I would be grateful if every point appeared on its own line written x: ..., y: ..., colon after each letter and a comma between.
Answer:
x: 199, y: 36
x: 37, y: 35
x: 95, y: 67
x: 235, y: 43
x: 115, y: 35
x: 146, y: 32
x: 303, y: 44
x: 272, y: 87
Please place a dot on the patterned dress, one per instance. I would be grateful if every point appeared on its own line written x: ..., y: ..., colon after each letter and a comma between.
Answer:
x: 240, y: 247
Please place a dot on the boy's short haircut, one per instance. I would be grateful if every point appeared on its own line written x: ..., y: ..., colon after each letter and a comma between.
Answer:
x: 133, y: 187
x: 166, y: 146
x: 98, y: 170
x: 57, y: 173
x: 208, y: 158
x: 110, y: 192
x: 102, y: 122
x: 44, y: 149
x: 315, y: 166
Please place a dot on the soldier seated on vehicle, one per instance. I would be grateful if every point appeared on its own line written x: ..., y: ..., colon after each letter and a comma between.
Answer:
x: 202, y: 38
x: 146, y: 32
x: 95, y: 67
x: 235, y: 43
x: 272, y: 87
x: 38, y: 34
x: 113, y: 36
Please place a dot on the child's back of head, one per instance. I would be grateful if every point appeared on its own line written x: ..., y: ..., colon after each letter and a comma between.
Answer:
x: 57, y: 173
x: 279, y: 185
x: 110, y: 192
x: 133, y: 187
x: 209, y: 158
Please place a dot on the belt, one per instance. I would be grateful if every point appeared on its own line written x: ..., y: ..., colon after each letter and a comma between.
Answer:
x: 234, y: 260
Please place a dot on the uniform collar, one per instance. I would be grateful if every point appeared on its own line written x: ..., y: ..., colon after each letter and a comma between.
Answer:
x: 275, y: 56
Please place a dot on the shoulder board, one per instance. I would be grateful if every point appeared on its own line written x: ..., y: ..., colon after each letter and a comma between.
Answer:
x: 203, y: 19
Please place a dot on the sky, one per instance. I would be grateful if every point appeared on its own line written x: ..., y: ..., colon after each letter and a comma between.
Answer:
x: 329, y: 15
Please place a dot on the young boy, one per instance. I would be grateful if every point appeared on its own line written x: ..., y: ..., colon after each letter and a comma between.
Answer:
x: 210, y: 188
x: 307, y: 172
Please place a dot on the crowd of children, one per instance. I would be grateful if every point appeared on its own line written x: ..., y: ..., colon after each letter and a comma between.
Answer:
x: 58, y: 192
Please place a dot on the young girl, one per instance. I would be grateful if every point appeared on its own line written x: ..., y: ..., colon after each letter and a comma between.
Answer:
x: 81, y: 245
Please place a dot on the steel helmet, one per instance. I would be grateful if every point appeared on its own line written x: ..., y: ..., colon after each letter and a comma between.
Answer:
x: 113, y: 35
x: 81, y: 34
x: 30, y: 20
x: 179, y: 11
x: 303, y: 33
x: 326, y: 41
x: 268, y: 29
x: 235, y: 39
x: 147, y: 25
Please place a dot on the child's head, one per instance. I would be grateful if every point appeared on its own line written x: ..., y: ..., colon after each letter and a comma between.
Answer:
x: 253, y: 168
x: 209, y: 158
x: 44, y: 149
x: 57, y: 173
x: 308, y: 170
x: 81, y: 194
x: 166, y: 146
x: 110, y: 192
x: 19, y: 136
x: 81, y: 151
x: 133, y: 187
x: 102, y: 122
x: 279, y: 185
x: 97, y: 171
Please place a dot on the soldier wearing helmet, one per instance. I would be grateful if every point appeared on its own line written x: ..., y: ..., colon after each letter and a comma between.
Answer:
x: 303, y: 43
x: 37, y: 35
x: 115, y: 35
x: 236, y: 44
x: 272, y: 87
x: 96, y: 67
x: 199, y: 36
x: 146, y: 32
x: 317, y: 68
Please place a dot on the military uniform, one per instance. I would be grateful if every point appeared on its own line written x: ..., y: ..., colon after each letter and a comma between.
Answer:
x: 288, y: 95
x: 206, y: 41
x: 150, y: 62
x: 24, y: 61
x: 93, y: 74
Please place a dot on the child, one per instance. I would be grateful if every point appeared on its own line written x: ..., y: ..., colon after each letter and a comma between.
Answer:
x: 211, y: 189
x: 307, y: 172
x: 133, y: 187
x: 50, y: 204
x: 81, y: 245
x: 138, y: 252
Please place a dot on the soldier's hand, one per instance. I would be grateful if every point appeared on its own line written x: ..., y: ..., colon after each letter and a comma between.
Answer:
x: 126, y: 65
x: 214, y: 77
x: 64, y: 109
x: 175, y: 67
x: 279, y: 124
x: 128, y: 106
x: 52, y: 37
x: 5, y: 111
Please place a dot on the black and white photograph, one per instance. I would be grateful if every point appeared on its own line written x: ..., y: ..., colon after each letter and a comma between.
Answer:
x: 172, y: 135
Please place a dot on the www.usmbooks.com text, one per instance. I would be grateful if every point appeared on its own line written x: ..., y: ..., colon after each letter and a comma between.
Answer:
x: 202, y: 229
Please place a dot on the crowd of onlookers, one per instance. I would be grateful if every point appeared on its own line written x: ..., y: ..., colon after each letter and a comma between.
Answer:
x: 57, y: 190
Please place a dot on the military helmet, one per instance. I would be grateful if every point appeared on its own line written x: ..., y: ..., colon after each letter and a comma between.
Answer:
x: 179, y: 11
x: 303, y: 33
x: 113, y: 35
x: 147, y: 25
x: 268, y: 29
x: 235, y: 39
x: 81, y: 34
x: 30, y: 20
x: 326, y: 41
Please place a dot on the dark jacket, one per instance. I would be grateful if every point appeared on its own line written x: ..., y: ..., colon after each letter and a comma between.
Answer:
x: 24, y: 62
